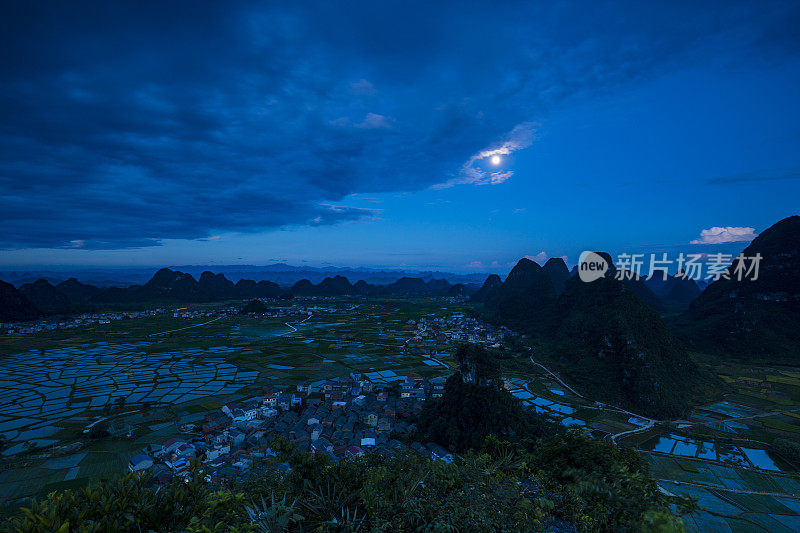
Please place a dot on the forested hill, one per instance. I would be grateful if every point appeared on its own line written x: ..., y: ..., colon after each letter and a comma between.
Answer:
x: 753, y: 319
x: 606, y: 336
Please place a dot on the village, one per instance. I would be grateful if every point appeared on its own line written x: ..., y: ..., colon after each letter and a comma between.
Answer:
x: 459, y: 328
x: 77, y: 321
x: 342, y: 417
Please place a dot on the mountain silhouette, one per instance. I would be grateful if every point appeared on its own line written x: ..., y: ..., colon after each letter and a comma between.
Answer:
x: 604, y: 336
x: 14, y: 306
x: 491, y: 283
x: 557, y: 269
x: 47, y: 298
x: 754, y: 319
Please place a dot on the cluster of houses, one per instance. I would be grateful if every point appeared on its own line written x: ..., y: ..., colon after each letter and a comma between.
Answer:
x: 343, y: 417
x: 186, y: 312
x: 87, y: 319
x: 457, y: 328
x: 295, y: 310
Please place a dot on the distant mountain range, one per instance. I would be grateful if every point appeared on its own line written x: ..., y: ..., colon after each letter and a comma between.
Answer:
x: 40, y: 298
x: 280, y: 273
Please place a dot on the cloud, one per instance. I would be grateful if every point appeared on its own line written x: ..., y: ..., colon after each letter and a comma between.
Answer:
x: 720, y: 235
x: 374, y: 121
x: 495, y: 178
x: 480, y: 265
x: 472, y: 172
x: 540, y: 258
x: 124, y: 125
x: 363, y: 86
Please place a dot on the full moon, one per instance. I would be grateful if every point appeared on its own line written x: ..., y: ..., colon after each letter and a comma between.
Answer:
x: 496, y: 160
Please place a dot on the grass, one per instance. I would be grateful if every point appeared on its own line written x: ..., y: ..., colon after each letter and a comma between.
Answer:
x: 795, y: 382
x: 779, y: 425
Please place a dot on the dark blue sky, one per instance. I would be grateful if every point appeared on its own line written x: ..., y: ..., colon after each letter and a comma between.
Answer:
x: 362, y: 133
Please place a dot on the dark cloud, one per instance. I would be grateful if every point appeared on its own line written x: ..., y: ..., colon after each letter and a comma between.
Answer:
x: 123, y: 125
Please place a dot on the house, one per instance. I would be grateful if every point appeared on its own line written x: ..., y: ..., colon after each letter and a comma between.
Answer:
x: 437, y: 387
x: 371, y: 419
x: 271, y: 400
x: 140, y: 462
x: 354, y: 451
x: 318, y: 446
x: 285, y: 400
x: 229, y: 408
x: 359, y: 400
x: 384, y: 424
x: 178, y: 466
x: 368, y: 441
x: 171, y: 445
x: 418, y: 394
x: 215, y: 452
x: 303, y: 388
x: 383, y: 396
x: 216, y: 421
x: 236, y: 437
x: 185, y: 450
x: 407, y: 385
x: 250, y: 409
x: 316, y: 432
x: 411, y: 388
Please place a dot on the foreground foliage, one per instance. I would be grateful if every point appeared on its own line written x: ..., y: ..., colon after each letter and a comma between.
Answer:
x: 571, y: 482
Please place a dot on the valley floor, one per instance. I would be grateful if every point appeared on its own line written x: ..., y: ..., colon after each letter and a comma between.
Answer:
x: 173, y: 367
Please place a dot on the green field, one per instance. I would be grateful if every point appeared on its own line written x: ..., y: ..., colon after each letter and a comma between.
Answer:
x: 322, y: 339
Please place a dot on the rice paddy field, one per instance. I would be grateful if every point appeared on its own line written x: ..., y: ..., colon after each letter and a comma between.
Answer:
x: 722, y: 454
x: 146, y: 377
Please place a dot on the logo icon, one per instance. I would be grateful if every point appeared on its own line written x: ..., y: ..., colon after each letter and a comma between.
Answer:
x: 591, y: 266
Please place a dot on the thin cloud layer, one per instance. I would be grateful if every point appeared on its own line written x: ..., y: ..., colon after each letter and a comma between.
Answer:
x: 124, y: 125
x: 474, y: 170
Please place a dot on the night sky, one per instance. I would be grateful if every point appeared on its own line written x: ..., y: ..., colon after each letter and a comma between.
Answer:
x: 363, y: 134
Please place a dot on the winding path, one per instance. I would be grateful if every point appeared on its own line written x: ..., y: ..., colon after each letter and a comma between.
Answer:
x: 187, y: 327
x: 598, y: 405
